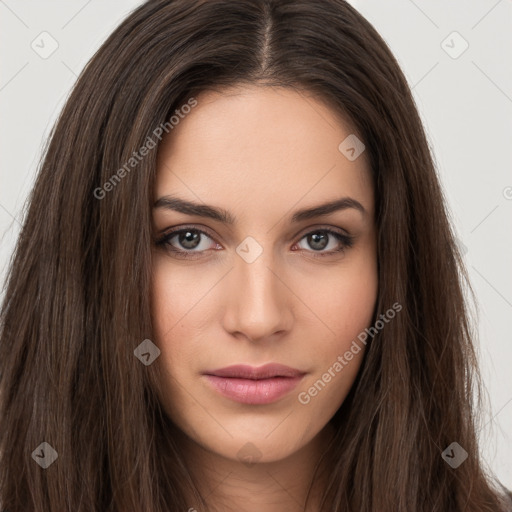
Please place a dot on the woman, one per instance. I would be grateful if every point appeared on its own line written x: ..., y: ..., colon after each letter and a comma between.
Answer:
x: 237, y: 285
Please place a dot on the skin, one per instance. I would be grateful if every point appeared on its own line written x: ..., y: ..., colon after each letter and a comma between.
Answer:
x: 261, y: 153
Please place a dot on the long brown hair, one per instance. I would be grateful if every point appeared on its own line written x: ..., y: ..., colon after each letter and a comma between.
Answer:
x: 77, y: 296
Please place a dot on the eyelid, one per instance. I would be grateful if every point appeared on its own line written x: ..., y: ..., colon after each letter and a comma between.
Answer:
x: 200, y: 228
x: 176, y: 229
x: 320, y: 227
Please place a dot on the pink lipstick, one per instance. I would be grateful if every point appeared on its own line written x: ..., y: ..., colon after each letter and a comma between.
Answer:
x: 255, y: 386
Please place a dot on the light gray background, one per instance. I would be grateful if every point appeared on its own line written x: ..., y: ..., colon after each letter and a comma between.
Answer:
x: 465, y: 103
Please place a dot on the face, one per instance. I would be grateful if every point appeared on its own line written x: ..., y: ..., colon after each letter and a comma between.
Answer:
x: 244, y: 278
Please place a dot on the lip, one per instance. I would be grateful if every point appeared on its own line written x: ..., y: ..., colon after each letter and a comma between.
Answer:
x: 254, y: 385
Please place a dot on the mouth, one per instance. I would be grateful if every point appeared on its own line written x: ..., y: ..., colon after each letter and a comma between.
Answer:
x: 255, y: 386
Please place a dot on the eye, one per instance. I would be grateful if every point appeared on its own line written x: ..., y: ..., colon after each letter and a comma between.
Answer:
x: 183, y: 243
x: 320, y: 239
x: 190, y: 242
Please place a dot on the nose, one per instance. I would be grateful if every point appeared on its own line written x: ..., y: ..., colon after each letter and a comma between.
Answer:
x: 259, y: 303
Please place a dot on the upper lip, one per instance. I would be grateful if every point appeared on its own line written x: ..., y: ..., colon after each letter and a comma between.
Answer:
x: 267, y: 371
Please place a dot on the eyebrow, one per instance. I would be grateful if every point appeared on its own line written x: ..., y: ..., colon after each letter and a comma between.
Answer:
x: 221, y: 215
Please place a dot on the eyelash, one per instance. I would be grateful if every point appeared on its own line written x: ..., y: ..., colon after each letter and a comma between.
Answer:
x: 347, y: 242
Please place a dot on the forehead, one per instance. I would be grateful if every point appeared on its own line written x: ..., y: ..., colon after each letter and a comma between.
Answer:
x: 259, y: 149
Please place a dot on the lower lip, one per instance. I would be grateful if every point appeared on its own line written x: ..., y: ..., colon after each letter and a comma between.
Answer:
x: 254, y: 392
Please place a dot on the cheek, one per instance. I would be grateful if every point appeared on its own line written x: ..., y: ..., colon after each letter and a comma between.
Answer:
x: 345, y: 305
x: 175, y: 307
x: 343, y: 301
x: 177, y: 294
x: 175, y: 301
x: 352, y: 304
